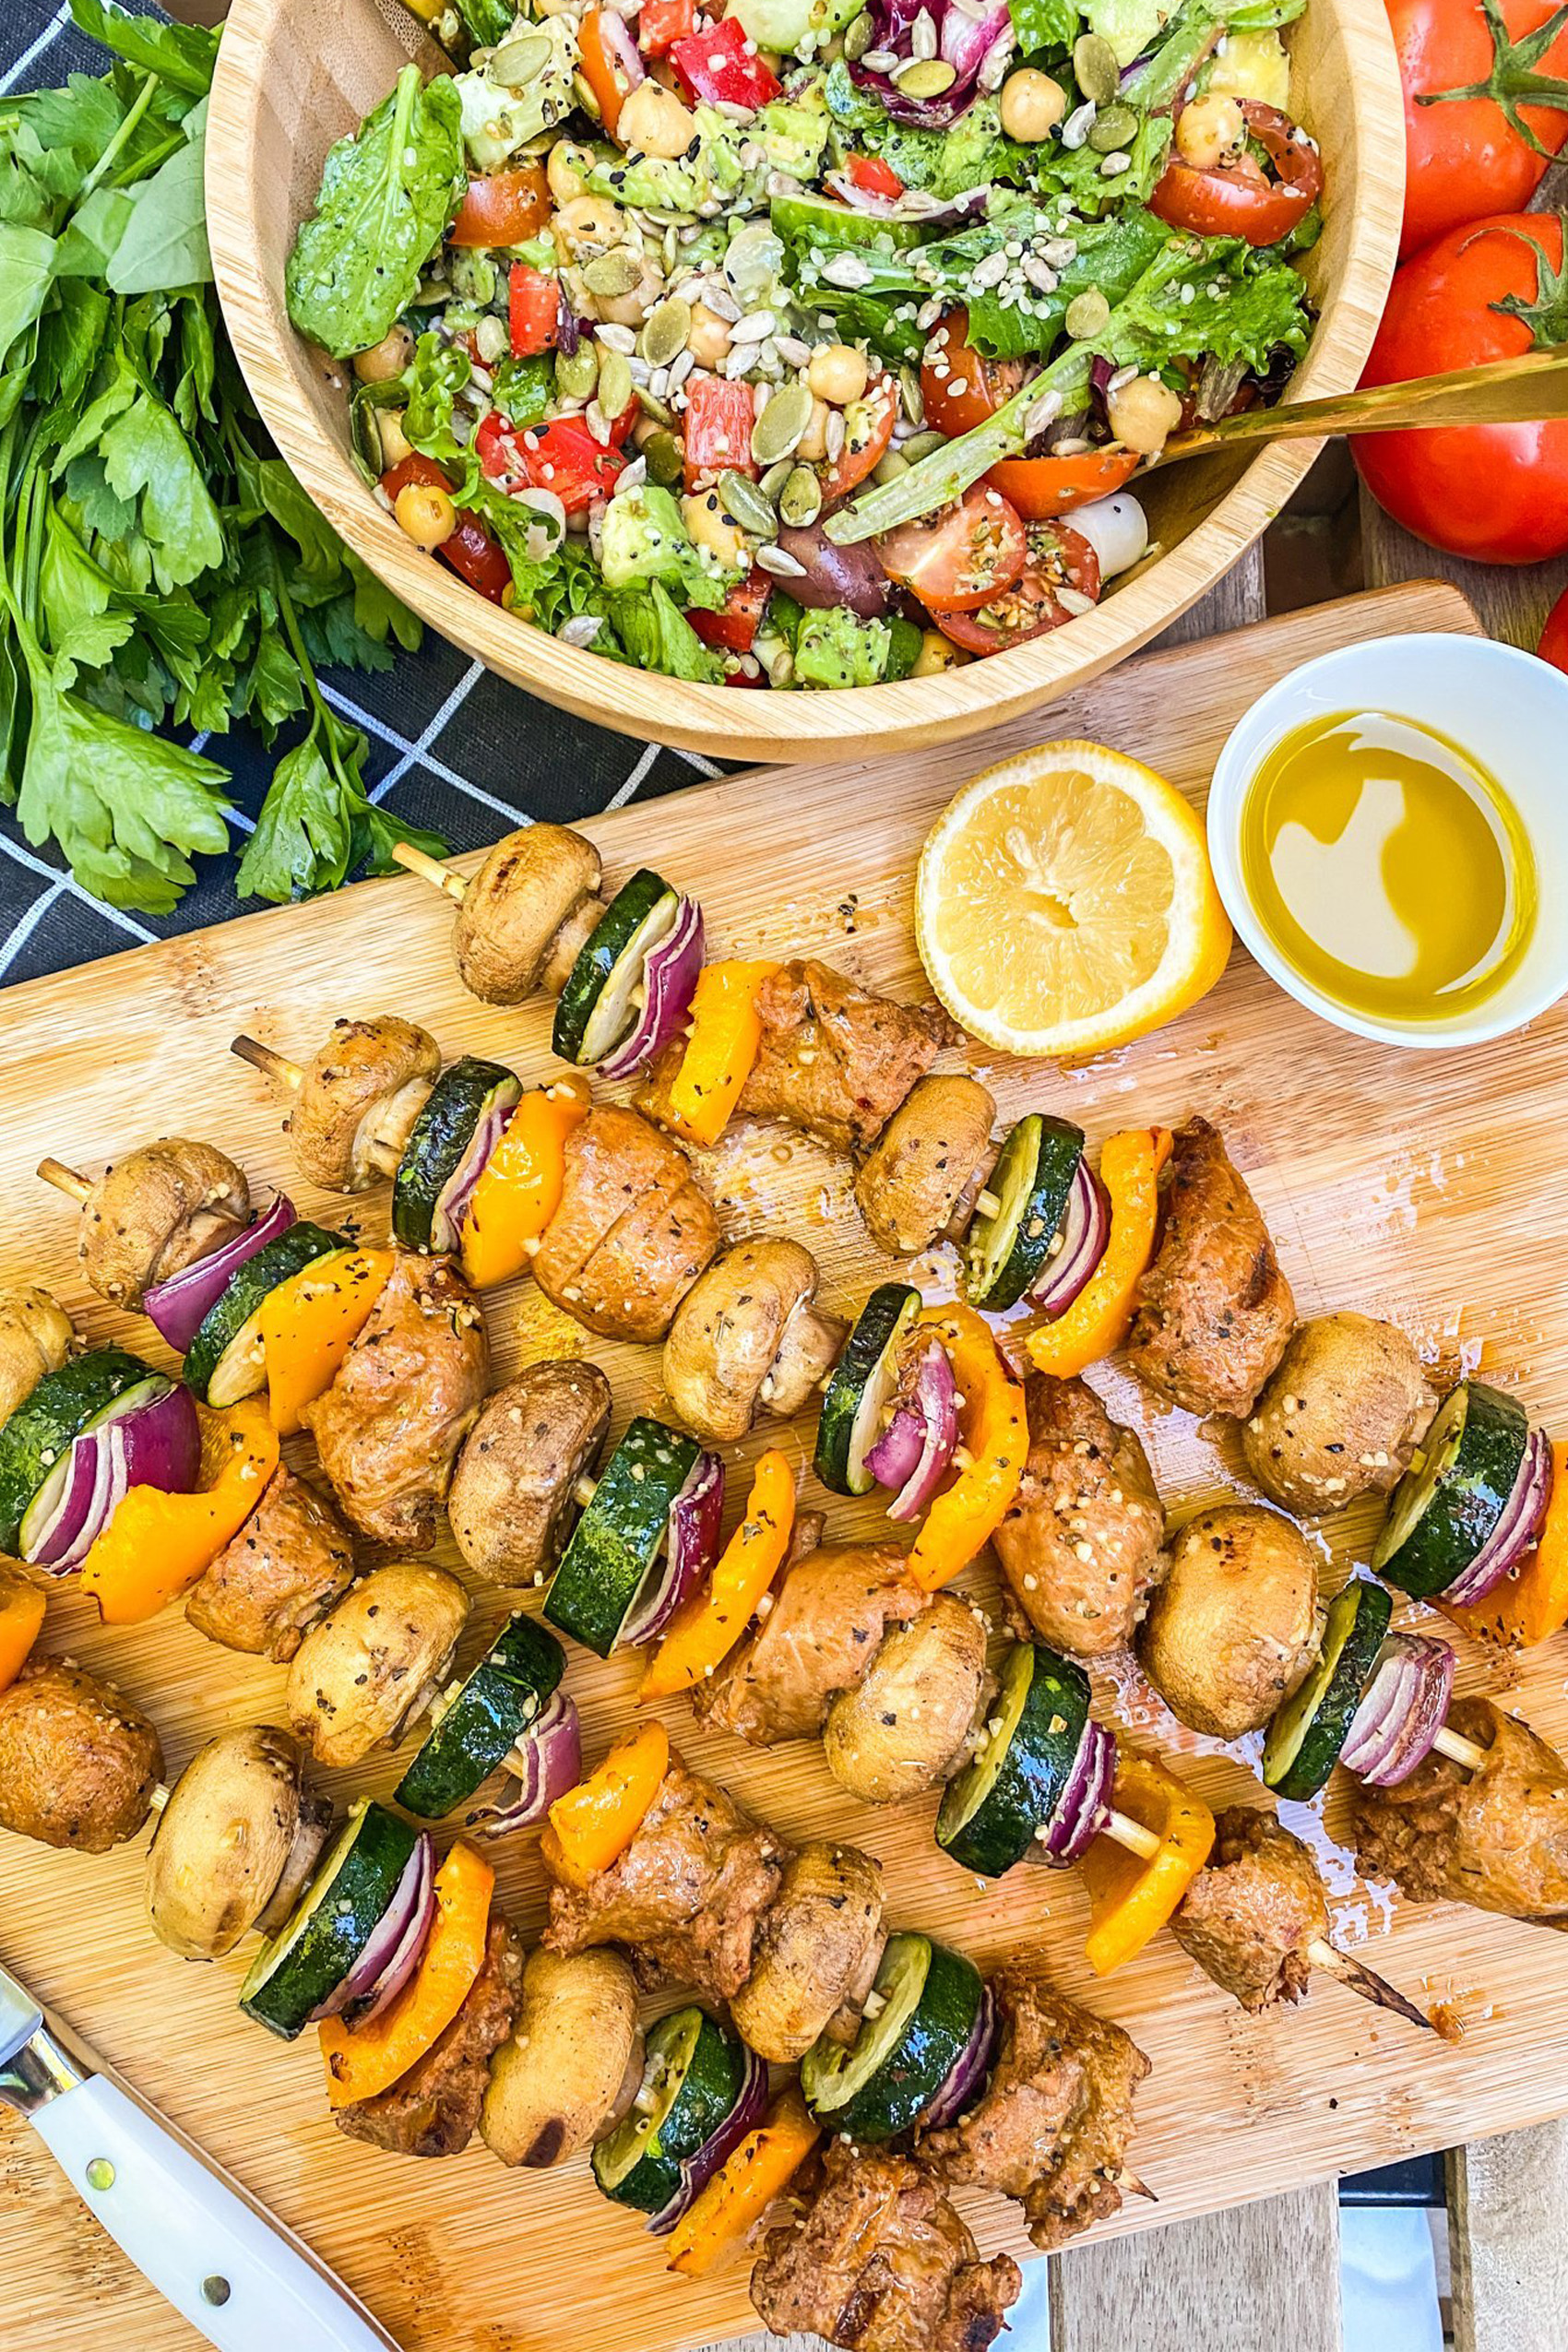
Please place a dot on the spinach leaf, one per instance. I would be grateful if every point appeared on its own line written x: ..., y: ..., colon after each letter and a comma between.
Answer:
x: 1044, y: 24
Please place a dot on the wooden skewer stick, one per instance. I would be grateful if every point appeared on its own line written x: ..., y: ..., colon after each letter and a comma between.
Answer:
x: 1458, y: 1749
x: 1133, y: 2184
x: 273, y: 1065
x: 430, y: 870
x: 1365, y: 1981
x: 583, y: 1492
x: 987, y: 1203
x: 1132, y: 1834
x: 64, y: 1179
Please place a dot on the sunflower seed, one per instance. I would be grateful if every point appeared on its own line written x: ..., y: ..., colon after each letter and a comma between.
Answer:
x: 614, y: 383
x: 783, y: 566
x: 721, y: 301
x: 880, y: 61
x: 1075, y: 129
x: 1059, y: 252
x: 745, y: 503
x: 1087, y: 315
x: 680, y: 369
x: 846, y: 269
x: 619, y: 338
x: 792, y: 351
x: 777, y: 431
x: 1073, y: 601
x: 834, y: 433
x: 1095, y: 68
x: 755, y: 329
x: 1041, y: 278
x: 581, y: 629
x: 630, y: 477
x: 924, y: 78
x: 922, y: 35
x: 1115, y: 164
x: 800, y: 501
x: 665, y: 331
x: 990, y: 271
x: 1044, y: 411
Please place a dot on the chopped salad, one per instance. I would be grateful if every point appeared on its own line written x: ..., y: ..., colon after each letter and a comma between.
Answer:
x: 812, y: 343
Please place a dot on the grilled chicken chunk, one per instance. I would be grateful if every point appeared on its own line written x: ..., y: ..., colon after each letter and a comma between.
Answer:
x: 1217, y: 1310
x: 157, y: 1211
x: 825, y: 1626
x: 1251, y: 1913
x: 290, y: 1561
x: 511, y: 1505
x: 35, y: 1338
x: 1080, y: 1544
x: 933, y: 1157
x: 432, y: 2111
x: 405, y: 1396
x: 835, y: 1058
x: 1496, y: 1837
x: 79, y: 1763
x: 633, y: 1232
x: 880, y: 2261
x: 688, y: 1893
x: 359, y: 1098
x: 1055, y: 2120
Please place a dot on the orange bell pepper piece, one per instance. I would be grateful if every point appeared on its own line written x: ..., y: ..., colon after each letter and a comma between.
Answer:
x: 601, y: 70
x: 363, y: 2060
x: 992, y: 1423
x: 1097, y: 1321
x: 1527, y: 1608
x: 740, y: 2192
x: 726, y: 1033
x: 592, y: 1824
x: 309, y: 1324
x: 1132, y: 1896
x: 705, y: 1628
x: 519, y: 1191
x: 157, y: 1544
x: 22, y: 1606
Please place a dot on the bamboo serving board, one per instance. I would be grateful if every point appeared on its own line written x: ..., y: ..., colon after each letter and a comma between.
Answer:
x: 1409, y: 1185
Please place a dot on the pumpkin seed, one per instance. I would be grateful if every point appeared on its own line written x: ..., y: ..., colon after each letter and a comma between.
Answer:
x: 1087, y: 315
x: 516, y: 62
x: 611, y: 274
x: 776, y: 433
x: 745, y: 503
x: 911, y: 398
x: 924, y: 78
x: 614, y: 384
x: 576, y: 372
x: 668, y: 324
x: 920, y: 445
x: 662, y: 452
x: 1115, y: 128
x: 773, y: 480
x: 858, y: 36
x: 1095, y: 68
x: 652, y: 406
x: 800, y: 501
x: 889, y: 467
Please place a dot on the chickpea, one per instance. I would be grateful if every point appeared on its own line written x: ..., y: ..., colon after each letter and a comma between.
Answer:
x: 1210, y: 131
x: 395, y: 443
x: 709, y: 337
x: 426, y: 514
x: 589, y: 224
x: 653, y: 119
x: 937, y: 653
x: 386, y: 359
x: 1143, y: 415
x: 630, y: 309
x: 567, y: 182
x: 813, y: 443
x: 837, y: 373
x: 710, y: 527
x: 1032, y: 104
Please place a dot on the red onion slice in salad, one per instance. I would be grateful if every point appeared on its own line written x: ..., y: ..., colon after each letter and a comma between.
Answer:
x: 1085, y: 1231
x: 545, y: 1763
x: 411, y: 1948
x: 386, y: 1940
x: 1403, y: 1707
x: 156, y: 1442
x: 936, y: 1406
x: 696, y: 2171
x: 1083, y: 1807
x: 691, y: 1547
x: 966, y: 2077
x: 615, y: 33
x: 669, y: 977
x: 178, y: 1307
x: 933, y: 213
x: 1517, y: 1526
x: 976, y: 47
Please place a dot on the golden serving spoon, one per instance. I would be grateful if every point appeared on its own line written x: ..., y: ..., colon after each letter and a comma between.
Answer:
x: 1527, y: 390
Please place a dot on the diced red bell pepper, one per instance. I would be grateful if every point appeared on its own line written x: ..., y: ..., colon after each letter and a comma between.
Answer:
x: 720, y: 417
x: 876, y: 177
x: 661, y: 23
x: 562, y: 456
x: 720, y: 66
x: 734, y: 629
x: 471, y: 552
x: 534, y: 310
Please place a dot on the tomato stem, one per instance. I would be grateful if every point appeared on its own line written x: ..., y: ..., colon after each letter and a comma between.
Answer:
x: 1513, y: 81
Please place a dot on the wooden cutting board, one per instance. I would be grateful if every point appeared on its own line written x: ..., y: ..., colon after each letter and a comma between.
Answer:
x: 1420, y: 1186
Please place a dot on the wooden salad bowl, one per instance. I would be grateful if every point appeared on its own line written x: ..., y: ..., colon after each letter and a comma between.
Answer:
x: 295, y: 75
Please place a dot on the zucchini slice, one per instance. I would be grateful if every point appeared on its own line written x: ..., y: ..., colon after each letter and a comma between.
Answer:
x: 595, y: 1011
x: 1306, y: 1733
x: 225, y: 1360
x: 478, y: 1727
x: 1453, y: 1495
x: 463, y: 1097
x: 616, y: 1542
x: 864, y: 1383
x: 918, y: 2021
x: 35, y: 1443
x: 1005, y: 1254
x: 692, y: 2074
x: 1014, y: 1780
x: 339, y: 1911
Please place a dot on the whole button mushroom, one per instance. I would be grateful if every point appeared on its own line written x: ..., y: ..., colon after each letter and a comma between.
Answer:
x: 926, y: 1168
x: 536, y: 884
x: 157, y: 1211
x: 817, y: 1950
x: 1233, y: 1628
x: 355, y: 1100
x: 36, y: 1335
x: 1341, y: 1417
x: 511, y: 1504
x: 237, y: 1839
x: 747, y: 1340
x: 364, y: 1672
x: 903, y: 1728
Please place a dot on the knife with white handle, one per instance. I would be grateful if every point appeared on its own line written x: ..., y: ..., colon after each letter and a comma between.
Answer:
x: 237, y: 2274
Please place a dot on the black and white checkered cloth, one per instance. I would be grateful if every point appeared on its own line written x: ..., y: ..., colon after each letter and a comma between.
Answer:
x: 452, y: 747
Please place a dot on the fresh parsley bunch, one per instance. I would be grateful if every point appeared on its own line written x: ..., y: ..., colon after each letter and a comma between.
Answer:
x: 160, y: 566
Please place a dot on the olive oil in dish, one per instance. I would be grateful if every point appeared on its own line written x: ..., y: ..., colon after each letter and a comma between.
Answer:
x: 1387, y: 866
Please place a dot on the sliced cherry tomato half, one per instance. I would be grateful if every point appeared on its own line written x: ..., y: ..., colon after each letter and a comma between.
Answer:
x: 960, y: 386
x: 471, y: 552
x: 874, y: 175
x: 1058, y: 557
x: 504, y: 210
x: 1238, y: 199
x: 963, y: 556
x: 533, y: 310
x: 562, y: 456
x: 734, y: 627
x: 868, y: 429
x: 1040, y: 487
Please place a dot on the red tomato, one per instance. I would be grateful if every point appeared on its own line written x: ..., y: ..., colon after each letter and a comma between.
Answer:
x: 1553, y: 646
x: 964, y: 556
x: 661, y: 23
x: 504, y: 210
x: 533, y: 310
x: 1058, y: 557
x: 602, y: 70
x: 1238, y: 199
x: 876, y: 176
x: 472, y: 553
x: 868, y: 429
x: 1040, y: 487
x: 720, y: 66
x: 734, y: 629
x: 1463, y: 158
x: 562, y: 456
x: 720, y: 417
x: 1497, y: 492
x: 961, y: 389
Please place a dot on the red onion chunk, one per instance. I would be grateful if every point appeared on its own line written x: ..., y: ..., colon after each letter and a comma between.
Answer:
x: 179, y: 1306
x: 546, y: 1762
x: 691, y: 1547
x: 670, y: 979
x: 976, y: 47
x: 616, y: 35
x: 1085, y: 1231
x: 452, y: 1201
x: 936, y: 1402
x: 966, y: 2077
x: 156, y: 1443
x: 913, y: 205
x: 751, y: 2106
x: 893, y: 1458
x: 386, y: 1938
x: 1517, y: 1525
x: 1083, y: 1807
x: 411, y: 1950
x: 1403, y: 1708
x: 57, y: 1543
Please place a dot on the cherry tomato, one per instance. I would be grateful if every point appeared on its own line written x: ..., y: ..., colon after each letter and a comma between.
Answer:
x: 1040, y: 487
x: 735, y: 627
x: 562, y: 456
x: 874, y: 175
x: 963, y: 556
x: 1058, y: 557
x: 959, y: 387
x: 471, y: 552
x: 533, y: 305
x: 1463, y: 158
x: 868, y: 429
x: 504, y: 210
x: 1553, y: 646
x: 1497, y: 492
x: 1238, y: 199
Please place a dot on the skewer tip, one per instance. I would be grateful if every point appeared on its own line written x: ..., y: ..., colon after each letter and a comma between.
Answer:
x: 1366, y: 1982
x: 271, y: 1065
x: 64, y: 1180
x: 1133, y: 2184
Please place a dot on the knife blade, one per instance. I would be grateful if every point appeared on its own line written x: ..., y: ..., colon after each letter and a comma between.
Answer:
x: 243, y: 2279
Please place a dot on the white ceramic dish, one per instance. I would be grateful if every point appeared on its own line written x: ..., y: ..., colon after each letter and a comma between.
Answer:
x: 1509, y: 710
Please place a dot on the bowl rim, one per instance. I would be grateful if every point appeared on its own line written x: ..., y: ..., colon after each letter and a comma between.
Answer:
x: 722, y: 720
